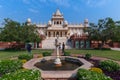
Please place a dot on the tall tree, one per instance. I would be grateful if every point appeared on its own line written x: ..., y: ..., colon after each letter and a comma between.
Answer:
x: 14, y: 31
x: 10, y: 31
x: 103, y: 31
x: 30, y: 33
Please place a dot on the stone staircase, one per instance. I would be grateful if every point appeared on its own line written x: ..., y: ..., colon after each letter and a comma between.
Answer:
x: 49, y: 43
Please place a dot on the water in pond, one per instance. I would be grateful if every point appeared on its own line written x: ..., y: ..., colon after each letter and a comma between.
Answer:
x: 50, y: 66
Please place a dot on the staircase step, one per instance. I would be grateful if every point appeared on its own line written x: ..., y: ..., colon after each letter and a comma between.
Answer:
x: 49, y: 43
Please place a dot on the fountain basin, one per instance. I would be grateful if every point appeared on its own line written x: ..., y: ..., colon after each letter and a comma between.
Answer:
x: 58, y: 73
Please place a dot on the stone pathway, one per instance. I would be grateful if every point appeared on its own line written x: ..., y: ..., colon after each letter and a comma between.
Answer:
x: 94, y: 57
x: 117, y: 49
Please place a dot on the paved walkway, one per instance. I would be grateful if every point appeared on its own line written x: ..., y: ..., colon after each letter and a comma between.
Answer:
x: 94, y: 57
x: 117, y: 49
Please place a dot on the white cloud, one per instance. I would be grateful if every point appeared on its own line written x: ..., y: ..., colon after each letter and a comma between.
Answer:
x: 33, y: 10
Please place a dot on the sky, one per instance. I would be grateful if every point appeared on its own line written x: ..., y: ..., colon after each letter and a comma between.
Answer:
x: 74, y: 11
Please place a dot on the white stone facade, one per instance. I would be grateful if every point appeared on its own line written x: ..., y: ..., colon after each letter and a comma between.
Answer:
x: 58, y: 26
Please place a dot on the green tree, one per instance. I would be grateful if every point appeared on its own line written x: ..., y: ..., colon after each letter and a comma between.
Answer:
x: 116, y: 37
x: 10, y: 31
x: 103, y: 31
x: 14, y: 31
x: 29, y: 33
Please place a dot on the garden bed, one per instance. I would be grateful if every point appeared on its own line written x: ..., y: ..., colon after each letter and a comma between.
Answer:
x: 115, y: 75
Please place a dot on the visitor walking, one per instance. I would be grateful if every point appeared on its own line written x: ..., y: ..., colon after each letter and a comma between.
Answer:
x: 29, y: 48
x: 63, y: 47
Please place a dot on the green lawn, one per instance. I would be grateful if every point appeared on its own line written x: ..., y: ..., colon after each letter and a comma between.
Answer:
x: 9, y: 54
x: 111, y: 54
x: 115, y: 55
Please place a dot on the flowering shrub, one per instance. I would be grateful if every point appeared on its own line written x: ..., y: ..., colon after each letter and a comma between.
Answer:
x: 24, y: 61
x: 109, y: 65
x: 83, y: 74
x: 7, y: 66
x: 96, y: 70
x: 22, y: 75
x: 40, y: 56
x: 25, y: 56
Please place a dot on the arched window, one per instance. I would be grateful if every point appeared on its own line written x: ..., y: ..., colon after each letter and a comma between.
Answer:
x: 57, y: 22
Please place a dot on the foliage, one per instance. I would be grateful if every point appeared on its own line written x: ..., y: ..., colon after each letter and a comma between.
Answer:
x: 10, y: 31
x: 46, y: 53
x: 22, y: 75
x: 25, y: 56
x: 106, y: 29
x: 102, y: 49
x: 88, y: 56
x: 66, y: 53
x: 24, y: 61
x: 29, y: 33
x: 40, y: 56
x: 14, y: 31
x: 83, y: 74
x: 7, y: 66
x: 96, y: 70
x: 109, y: 65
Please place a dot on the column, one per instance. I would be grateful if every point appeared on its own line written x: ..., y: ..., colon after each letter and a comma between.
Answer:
x: 55, y: 33
x: 51, y: 33
x: 47, y: 34
x: 59, y: 34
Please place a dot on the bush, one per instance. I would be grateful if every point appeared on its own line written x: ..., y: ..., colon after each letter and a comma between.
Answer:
x: 40, y: 56
x: 22, y: 75
x: 87, y: 56
x: 66, y: 53
x: 25, y: 56
x: 102, y: 48
x: 24, y: 61
x: 83, y: 74
x: 7, y: 66
x: 96, y: 70
x: 46, y: 53
x: 109, y: 65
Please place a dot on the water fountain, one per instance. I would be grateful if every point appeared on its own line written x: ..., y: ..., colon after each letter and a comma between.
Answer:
x: 57, y: 61
x: 57, y: 66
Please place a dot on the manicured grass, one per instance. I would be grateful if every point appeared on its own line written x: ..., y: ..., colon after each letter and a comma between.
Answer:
x: 115, y: 55
x: 111, y: 54
x: 9, y: 54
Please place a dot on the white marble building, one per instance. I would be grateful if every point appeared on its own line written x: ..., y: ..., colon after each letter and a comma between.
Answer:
x: 58, y: 26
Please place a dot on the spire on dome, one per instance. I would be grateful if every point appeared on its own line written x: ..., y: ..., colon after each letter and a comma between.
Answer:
x: 58, y: 13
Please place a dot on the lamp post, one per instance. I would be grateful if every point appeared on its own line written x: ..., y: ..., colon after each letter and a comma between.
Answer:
x: 57, y: 61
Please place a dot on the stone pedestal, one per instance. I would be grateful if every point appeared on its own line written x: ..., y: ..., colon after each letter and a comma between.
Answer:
x: 57, y: 61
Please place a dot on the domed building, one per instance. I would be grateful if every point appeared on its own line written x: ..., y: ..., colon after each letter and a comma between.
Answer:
x: 72, y: 35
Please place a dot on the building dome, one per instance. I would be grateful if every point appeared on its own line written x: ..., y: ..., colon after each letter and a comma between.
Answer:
x: 29, y: 20
x: 49, y: 23
x: 65, y: 23
x: 86, y: 20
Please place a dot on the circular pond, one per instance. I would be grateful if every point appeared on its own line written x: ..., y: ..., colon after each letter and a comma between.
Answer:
x: 49, y: 65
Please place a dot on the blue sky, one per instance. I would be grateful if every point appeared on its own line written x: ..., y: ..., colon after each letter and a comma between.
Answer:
x: 74, y: 11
